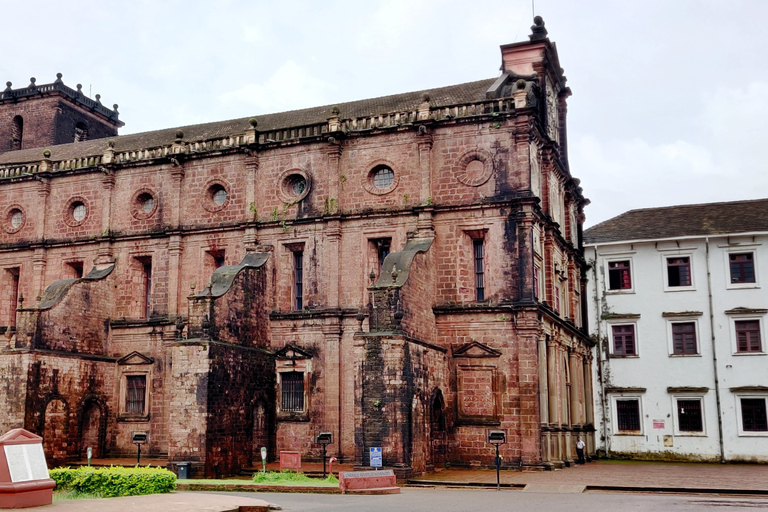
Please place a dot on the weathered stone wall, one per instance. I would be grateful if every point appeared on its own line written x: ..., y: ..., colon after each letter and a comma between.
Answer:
x: 188, y: 404
x: 240, y: 316
x: 55, y: 331
x: 238, y: 378
x: 396, y: 378
x: 59, y: 386
x: 13, y: 389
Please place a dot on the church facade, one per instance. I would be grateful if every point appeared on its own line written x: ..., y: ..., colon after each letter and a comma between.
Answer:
x: 403, y: 272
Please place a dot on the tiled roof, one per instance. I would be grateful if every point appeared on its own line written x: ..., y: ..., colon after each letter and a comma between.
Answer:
x: 441, y: 97
x: 682, y: 221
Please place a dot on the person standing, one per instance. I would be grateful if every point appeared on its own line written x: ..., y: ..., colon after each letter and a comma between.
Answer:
x: 580, y: 450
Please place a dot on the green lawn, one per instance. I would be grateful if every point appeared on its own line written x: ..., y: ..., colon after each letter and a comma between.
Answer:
x: 270, y: 478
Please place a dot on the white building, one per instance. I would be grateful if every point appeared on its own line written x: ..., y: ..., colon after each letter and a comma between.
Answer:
x: 678, y: 303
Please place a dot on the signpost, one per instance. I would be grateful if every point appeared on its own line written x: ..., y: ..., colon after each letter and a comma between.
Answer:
x: 497, y: 438
x: 324, y: 439
x: 376, y: 457
x: 139, y: 438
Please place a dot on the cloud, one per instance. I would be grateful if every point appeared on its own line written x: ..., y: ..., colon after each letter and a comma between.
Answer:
x: 289, y: 88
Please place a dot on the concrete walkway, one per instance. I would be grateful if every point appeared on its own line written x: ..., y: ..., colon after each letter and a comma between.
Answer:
x: 596, y: 476
x: 621, y: 476
x: 177, y: 501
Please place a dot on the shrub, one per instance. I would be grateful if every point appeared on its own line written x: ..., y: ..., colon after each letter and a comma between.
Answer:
x: 114, y: 481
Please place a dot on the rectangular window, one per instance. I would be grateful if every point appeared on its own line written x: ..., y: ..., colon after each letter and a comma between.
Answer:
x: 748, y: 336
x: 628, y: 415
x: 753, y: 415
x: 382, y: 250
x: 742, y: 268
x: 689, y: 418
x: 536, y: 282
x: 292, y: 392
x: 136, y: 386
x: 147, y: 285
x: 479, y: 270
x: 619, y: 275
x: 679, y: 271
x: 624, y: 340
x: 684, y: 338
x: 13, y: 294
x: 298, y: 280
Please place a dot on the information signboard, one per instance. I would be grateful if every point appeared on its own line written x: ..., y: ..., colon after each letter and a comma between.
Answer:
x: 376, y: 457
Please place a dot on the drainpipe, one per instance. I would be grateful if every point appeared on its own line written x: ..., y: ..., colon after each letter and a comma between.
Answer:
x: 714, y: 356
x: 598, y: 353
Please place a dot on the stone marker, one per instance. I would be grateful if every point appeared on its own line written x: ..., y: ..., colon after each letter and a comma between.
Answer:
x: 290, y: 460
x: 368, y: 482
x: 24, y: 479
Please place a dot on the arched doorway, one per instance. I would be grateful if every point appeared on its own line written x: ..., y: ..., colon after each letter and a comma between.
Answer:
x: 55, y: 432
x: 92, y: 429
x: 438, y: 430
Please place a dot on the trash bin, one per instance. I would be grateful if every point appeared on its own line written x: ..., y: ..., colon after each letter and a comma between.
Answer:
x: 183, y: 468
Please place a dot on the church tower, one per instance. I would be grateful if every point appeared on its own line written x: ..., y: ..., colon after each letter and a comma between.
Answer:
x: 50, y: 114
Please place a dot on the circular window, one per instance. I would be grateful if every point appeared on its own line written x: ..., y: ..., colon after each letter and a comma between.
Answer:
x: 217, y: 196
x: 147, y: 203
x: 76, y: 211
x: 383, y: 177
x: 294, y: 185
x: 14, y: 218
x: 144, y: 204
x: 17, y: 219
x: 79, y: 211
x: 298, y: 185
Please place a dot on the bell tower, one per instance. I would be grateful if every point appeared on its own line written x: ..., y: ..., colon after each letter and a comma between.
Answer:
x: 50, y: 114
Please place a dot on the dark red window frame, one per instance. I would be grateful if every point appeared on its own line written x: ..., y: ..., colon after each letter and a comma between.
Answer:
x: 619, y: 275
x: 624, y: 340
x: 679, y: 271
x: 684, y: 338
x: 748, y: 336
x: 742, y: 268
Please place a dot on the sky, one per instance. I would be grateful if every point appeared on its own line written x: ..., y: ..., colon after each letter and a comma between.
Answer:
x: 669, y: 105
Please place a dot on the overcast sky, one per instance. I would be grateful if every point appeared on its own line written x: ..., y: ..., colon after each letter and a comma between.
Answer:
x: 669, y: 105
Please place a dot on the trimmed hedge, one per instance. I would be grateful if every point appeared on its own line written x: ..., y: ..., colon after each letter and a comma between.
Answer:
x: 114, y: 481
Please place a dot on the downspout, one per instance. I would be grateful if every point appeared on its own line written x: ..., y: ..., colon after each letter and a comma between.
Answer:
x: 598, y: 353
x: 714, y: 357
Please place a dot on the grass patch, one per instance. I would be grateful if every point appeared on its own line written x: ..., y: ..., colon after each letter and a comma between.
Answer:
x: 74, y: 495
x: 292, y: 478
x: 287, y: 479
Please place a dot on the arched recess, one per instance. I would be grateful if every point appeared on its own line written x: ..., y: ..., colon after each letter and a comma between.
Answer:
x: 17, y: 132
x: 262, y: 428
x: 92, y: 424
x: 56, y: 430
x: 438, y: 433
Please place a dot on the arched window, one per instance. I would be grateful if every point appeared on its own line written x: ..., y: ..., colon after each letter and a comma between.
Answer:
x: 81, y: 132
x: 17, y: 130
